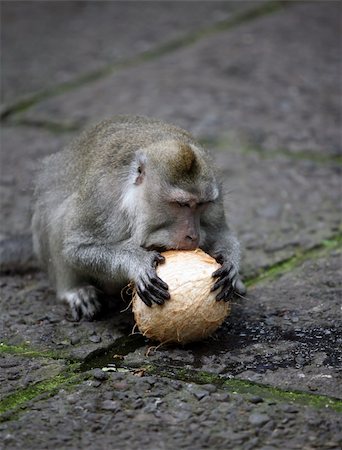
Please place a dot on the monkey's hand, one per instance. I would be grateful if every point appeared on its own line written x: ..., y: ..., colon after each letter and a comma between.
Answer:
x: 228, y: 280
x: 149, y: 286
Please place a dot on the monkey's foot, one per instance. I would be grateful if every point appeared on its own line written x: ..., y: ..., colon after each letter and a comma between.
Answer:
x: 83, y: 302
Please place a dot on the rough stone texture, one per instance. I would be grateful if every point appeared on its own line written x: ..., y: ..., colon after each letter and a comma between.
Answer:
x: 131, y: 412
x: 287, y: 333
x: 265, y: 200
x: 30, y: 314
x: 275, y: 81
x: 270, y: 84
x: 21, y: 149
x: 19, y: 372
x: 69, y: 39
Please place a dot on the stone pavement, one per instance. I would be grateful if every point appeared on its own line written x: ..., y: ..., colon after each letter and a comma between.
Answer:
x: 259, y: 83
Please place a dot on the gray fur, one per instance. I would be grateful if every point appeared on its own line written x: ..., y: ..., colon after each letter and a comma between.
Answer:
x: 100, y: 215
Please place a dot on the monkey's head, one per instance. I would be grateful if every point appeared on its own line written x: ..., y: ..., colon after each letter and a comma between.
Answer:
x: 171, y: 187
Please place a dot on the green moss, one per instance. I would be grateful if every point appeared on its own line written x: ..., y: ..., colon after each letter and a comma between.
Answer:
x: 46, y: 388
x: 25, y: 350
x: 248, y: 388
x: 227, y: 142
x: 272, y: 272
x: 171, y: 46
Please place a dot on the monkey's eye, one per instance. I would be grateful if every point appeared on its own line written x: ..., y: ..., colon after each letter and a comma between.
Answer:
x: 139, y: 170
x: 183, y: 204
x: 203, y: 205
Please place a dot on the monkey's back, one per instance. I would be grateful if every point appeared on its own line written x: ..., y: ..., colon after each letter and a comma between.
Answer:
x: 119, y: 138
x: 78, y: 184
x: 109, y: 144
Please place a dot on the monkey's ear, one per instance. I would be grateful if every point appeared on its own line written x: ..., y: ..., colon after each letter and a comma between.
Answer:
x: 139, y: 169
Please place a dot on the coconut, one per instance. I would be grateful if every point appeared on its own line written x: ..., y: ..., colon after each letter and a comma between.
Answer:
x: 192, y: 313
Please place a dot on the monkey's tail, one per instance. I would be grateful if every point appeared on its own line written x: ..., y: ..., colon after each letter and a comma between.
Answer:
x: 17, y: 255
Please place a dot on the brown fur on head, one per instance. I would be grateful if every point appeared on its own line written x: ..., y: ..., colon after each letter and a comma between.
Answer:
x: 178, y: 162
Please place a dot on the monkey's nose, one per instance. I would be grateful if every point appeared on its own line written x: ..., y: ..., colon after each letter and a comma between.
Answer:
x: 192, y: 242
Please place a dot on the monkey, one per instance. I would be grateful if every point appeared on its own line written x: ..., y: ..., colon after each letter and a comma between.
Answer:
x: 111, y: 202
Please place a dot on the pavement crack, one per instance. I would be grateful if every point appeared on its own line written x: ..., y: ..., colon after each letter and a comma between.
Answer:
x: 301, y: 255
x: 247, y: 388
x: 247, y: 15
x: 11, y: 404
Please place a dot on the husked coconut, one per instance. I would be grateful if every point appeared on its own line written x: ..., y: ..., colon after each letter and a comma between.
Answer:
x: 192, y: 313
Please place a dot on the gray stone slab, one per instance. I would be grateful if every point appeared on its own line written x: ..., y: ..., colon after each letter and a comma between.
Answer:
x: 47, y: 43
x: 21, y: 149
x: 287, y: 333
x: 305, y: 305
x: 274, y: 81
x: 20, y: 372
x: 127, y: 411
x: 31, y: 315
x: 278, y: 205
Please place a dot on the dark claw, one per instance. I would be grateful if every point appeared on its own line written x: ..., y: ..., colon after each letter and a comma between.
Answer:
x: 227, y: 279
x: 160, y: 259
x: 159, y: 283
x: 78, y: 311
x: 144, y: 297
x: 222, y: 271
x: 164, y: 294
x: 221, y: 282
x: 225, y: 294
x: 157, y: 295
x: 153, y: 294
x: 151, y: 288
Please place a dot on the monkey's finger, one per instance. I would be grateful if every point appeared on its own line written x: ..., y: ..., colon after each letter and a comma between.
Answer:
x: 224, y: 270
x: 225, y: 294
x: 221, y: 282
x: 157, y: 300
x: 144, y: 297
x: 228, y: 296
x: 219, y: 259
x: 76, y: 313
x: 153, y: 298
x: 151, y: 293
x: 159, y: 283
x: 159, y: 293
x: 160, y: 259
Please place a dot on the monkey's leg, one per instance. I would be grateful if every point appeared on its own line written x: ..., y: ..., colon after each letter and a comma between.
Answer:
x: 83, y: 302
x: 81, y: 297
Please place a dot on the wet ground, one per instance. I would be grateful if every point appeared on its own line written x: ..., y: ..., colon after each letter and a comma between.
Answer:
x: 259, y: 84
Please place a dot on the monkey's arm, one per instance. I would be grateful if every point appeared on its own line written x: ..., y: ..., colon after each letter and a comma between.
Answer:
x: 120, y: 262
x: 225, y: 248
x: 227, y: 253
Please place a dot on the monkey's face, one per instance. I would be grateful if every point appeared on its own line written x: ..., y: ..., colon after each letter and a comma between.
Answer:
x: 173, y: 185
x: 177, y: 223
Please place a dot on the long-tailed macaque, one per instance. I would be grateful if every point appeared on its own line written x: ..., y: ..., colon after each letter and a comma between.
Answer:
x: 123, y: 192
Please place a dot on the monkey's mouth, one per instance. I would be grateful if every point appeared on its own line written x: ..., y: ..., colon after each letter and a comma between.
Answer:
x: 158, y: 248
x: 163, y: 248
